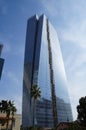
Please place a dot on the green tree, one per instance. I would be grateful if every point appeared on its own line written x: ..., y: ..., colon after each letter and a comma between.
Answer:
x: 12, y: 111
x: 81, y: 109
x: 8, y: 108
x: 35, y: 94
x: 74, y: 126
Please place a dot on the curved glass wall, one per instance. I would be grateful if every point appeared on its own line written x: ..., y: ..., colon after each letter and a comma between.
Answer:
x: 44, y: 66
x: 45, y: 112
x: 61, y: 85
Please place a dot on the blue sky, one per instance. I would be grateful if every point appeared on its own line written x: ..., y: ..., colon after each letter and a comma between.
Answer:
x: 69, y: 19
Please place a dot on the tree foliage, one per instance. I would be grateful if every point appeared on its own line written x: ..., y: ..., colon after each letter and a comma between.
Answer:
x: 81, y: 109
x: 35, y: 94
x: 74, y: 126
x: 8, y: 108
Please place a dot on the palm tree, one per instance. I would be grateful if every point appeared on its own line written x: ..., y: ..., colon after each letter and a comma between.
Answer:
x: 12, y: 111
x: 35, y: 94
x: 8, y: 108
x: 3, y: 109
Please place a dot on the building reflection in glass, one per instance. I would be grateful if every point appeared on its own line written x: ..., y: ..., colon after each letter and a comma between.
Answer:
x: 43, y: 65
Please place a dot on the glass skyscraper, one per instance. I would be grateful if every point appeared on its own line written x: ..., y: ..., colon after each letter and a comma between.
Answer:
x: 43, y: 65
x: 1, y: 61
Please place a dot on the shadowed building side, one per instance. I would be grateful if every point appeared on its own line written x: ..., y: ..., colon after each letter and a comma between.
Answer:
x: 1, y: 61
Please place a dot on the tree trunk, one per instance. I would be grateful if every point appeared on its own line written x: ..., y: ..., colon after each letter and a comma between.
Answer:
x: 12, y: 123
x: 34, y: 102
x: 7, y: 124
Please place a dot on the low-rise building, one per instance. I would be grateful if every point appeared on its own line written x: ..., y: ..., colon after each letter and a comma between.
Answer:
x: 63, y: 126
x: 73, y: 125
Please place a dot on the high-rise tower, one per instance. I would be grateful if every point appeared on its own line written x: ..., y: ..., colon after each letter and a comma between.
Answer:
x: 1, y: 60
x: 43, y: 65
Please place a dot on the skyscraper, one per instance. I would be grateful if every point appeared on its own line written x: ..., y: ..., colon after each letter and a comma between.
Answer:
x: 1, y: 61
x: 43, y: 65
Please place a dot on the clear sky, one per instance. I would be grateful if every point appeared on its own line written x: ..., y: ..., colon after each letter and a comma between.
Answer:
x: 69, y: 19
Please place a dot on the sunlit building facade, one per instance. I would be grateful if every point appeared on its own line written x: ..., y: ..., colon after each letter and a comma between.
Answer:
x: 1, y: 60
x: 43, y: 65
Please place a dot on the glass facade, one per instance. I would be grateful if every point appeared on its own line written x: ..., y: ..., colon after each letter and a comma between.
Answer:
x: 1, y: 61
x: 43, y: 65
